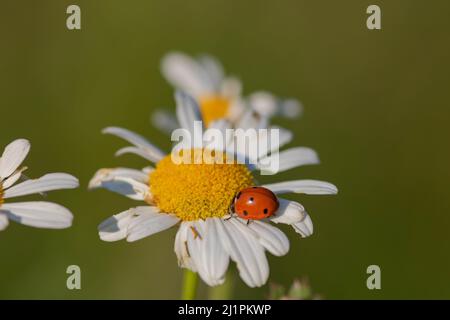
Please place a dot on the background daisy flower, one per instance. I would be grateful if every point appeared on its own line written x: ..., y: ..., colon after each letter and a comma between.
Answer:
x: 40, y: 214
x: 218, y: 95
x: 197, y: 197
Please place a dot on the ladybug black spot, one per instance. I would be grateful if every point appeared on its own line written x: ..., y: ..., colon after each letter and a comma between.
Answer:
x: 266, y: 211
x: 251, y: 199
x: 245, y: 213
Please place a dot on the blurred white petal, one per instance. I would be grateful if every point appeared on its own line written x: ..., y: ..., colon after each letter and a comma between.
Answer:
x: 187, y: 110
x: 290, y: 108
x: 252, y: 120
x: 231, y: 88
x: 186, y: 74
x: 165, y: 121
x: 263, y: 103
x: 212, y: 69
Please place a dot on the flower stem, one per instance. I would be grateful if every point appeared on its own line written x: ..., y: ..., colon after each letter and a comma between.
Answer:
x: 190, y: 280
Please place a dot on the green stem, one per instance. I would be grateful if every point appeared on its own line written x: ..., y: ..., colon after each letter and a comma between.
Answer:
x: 190, y: 280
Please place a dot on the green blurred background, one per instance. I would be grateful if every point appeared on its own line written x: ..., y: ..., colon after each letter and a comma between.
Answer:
x: 376, y: 110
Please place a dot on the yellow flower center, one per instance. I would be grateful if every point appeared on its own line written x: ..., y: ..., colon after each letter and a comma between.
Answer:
x: 198, y: 191
x: 1, y: 194
x: 213, y: 108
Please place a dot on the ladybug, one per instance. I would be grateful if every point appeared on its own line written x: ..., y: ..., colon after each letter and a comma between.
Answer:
x: 255, y: 203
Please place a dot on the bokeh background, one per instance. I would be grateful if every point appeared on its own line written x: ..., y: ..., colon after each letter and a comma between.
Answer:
x: 376, y: 110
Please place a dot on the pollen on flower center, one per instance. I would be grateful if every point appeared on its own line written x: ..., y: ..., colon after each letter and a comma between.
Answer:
x: 197, y: 191
x: 213, y: 108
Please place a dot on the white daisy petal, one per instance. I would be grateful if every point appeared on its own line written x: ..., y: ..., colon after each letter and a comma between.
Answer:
x: 222, y: 125
x: 268, y: 143
x: 231, y: 88
x: 147, y: 170
x: 290, y: 108
x: 13, y: 178
x: 140, y: 142
x: 116, y: 227
x: 48, y: 182
x: 236, y: 109
x: 302, y: 186
x: 187, y: 110
x: 4, y: 222
x: 185, y: 73
x: 289, y: 212
x: 181, y: 249
x: 244, y: 248
x: 269, y: 105
x: 127, y: 187
x: 108, y: 174
x: 304, y: 227
x: 137, y: 151
x: 252, y: 120
x: 285, y: 136
x: 195, y: 243
x: 290, y: 158
x: 149, y: 222
x: 12, y: 157
x: 164, y: 121
x: 271, y: 238
x: 214, y: 142
x: 39, y: 214
x: 264, y: 103
x: 212, y: 69
x: 207, y: 252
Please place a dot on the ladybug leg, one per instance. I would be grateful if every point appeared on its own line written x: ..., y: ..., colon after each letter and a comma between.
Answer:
x: 231, y: 215
x: 231, y: 209
x: 196, y: 234
x: 230, y: 212
x: 248, y: 221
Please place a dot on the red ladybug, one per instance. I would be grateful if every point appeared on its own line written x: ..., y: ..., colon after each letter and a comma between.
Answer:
x: 255, y: 203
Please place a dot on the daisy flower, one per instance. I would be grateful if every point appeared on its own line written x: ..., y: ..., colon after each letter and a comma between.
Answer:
x: 197, y: 198
x: 218, y: 95
x: 38, y: 214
